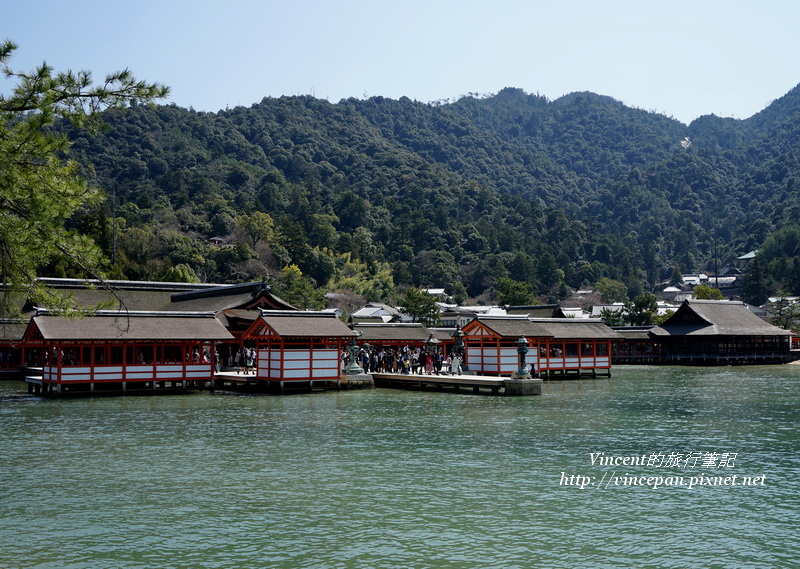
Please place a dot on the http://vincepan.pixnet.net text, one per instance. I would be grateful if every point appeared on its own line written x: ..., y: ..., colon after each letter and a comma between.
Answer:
x: 689, y: 470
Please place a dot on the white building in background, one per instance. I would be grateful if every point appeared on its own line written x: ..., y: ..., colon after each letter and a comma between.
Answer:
x: 379, y: 312
x: 575, y: 312
x: 694, y: 280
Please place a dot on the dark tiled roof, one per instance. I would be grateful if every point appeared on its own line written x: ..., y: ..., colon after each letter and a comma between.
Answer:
x: 132, y: 327
x: 716, y: 318
x: 228, y: 296
x: 59, y: 283
x: 208, y: 303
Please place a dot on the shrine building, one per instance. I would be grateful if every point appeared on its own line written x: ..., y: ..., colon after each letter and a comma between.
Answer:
x: 718, y: 332
x: 298, y: 350
x: 556, y: 346
x: 122, y: 352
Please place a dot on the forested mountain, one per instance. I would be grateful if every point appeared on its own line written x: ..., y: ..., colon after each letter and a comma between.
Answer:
x: 481, y: 195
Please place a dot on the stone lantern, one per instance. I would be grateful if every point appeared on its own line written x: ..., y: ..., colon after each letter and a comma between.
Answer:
x: 353, y: 368
x: 458, y: 341
x: 522, y: 349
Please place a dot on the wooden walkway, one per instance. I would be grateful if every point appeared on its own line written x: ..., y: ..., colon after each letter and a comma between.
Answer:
x: 233, y: 379
x: 36, y: 386
x: 457, y: 383
x: 248, y: 382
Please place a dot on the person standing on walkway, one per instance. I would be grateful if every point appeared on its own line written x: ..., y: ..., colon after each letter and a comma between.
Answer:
x: 437, y: 362
x: 455, y: 366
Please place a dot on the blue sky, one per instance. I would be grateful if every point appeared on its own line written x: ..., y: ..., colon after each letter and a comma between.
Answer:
x: 680, y: 58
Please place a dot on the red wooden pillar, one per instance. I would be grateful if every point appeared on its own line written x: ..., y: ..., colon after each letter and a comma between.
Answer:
x: 59, y: 358
x: 185, y: 355
x: 282, y: 344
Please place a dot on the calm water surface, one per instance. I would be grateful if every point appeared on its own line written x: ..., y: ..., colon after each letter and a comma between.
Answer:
x: 394, y: 479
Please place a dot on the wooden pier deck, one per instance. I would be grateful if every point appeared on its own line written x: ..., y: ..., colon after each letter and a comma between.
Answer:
x: 248, y: 382
x: 233, y: 379
x: 469, y: 383
x: 36, y: 386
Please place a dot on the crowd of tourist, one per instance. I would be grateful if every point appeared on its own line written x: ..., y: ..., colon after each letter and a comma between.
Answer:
x: 423, y: 360
x: 408, y: 360
x: 243, y: 360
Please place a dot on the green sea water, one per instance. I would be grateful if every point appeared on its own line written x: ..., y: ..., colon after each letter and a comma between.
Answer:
x: 394, y: 479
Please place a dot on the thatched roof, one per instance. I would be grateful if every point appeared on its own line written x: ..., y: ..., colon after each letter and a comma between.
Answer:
x: 238, y: 317
x: 132, y: 327
x: 716, y: 318
x: 156, y: 296
x: 444, y: 335
x: 396, y: 332
x: 507, y: 326
x: 12, y: 330
x: 556, y: 328
x: 302, y: 324
x: 575, y: 328
x: 91, y: 297
x: 634, y: 332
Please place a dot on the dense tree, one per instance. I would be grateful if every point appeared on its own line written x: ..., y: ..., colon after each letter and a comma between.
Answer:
x: 39, y: 190
x: 785, y: 313
x: 372, y: 281
x: 755, y: 286
x: 557, y: 194
x: 513, y: 293
x: 705, y: 292
x: 611, y: 290
x: 295, y: 288
x: 420, y: 306
x: 642, y: 310
x: 181, y: 273
x: 259, y: 226
x: 611, y: 317
x: 779, y: 259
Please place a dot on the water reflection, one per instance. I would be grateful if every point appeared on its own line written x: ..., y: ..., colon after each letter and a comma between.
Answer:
x: 388, y: 478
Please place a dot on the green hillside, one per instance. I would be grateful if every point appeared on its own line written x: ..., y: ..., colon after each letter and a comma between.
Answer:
x: 473, y: 195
